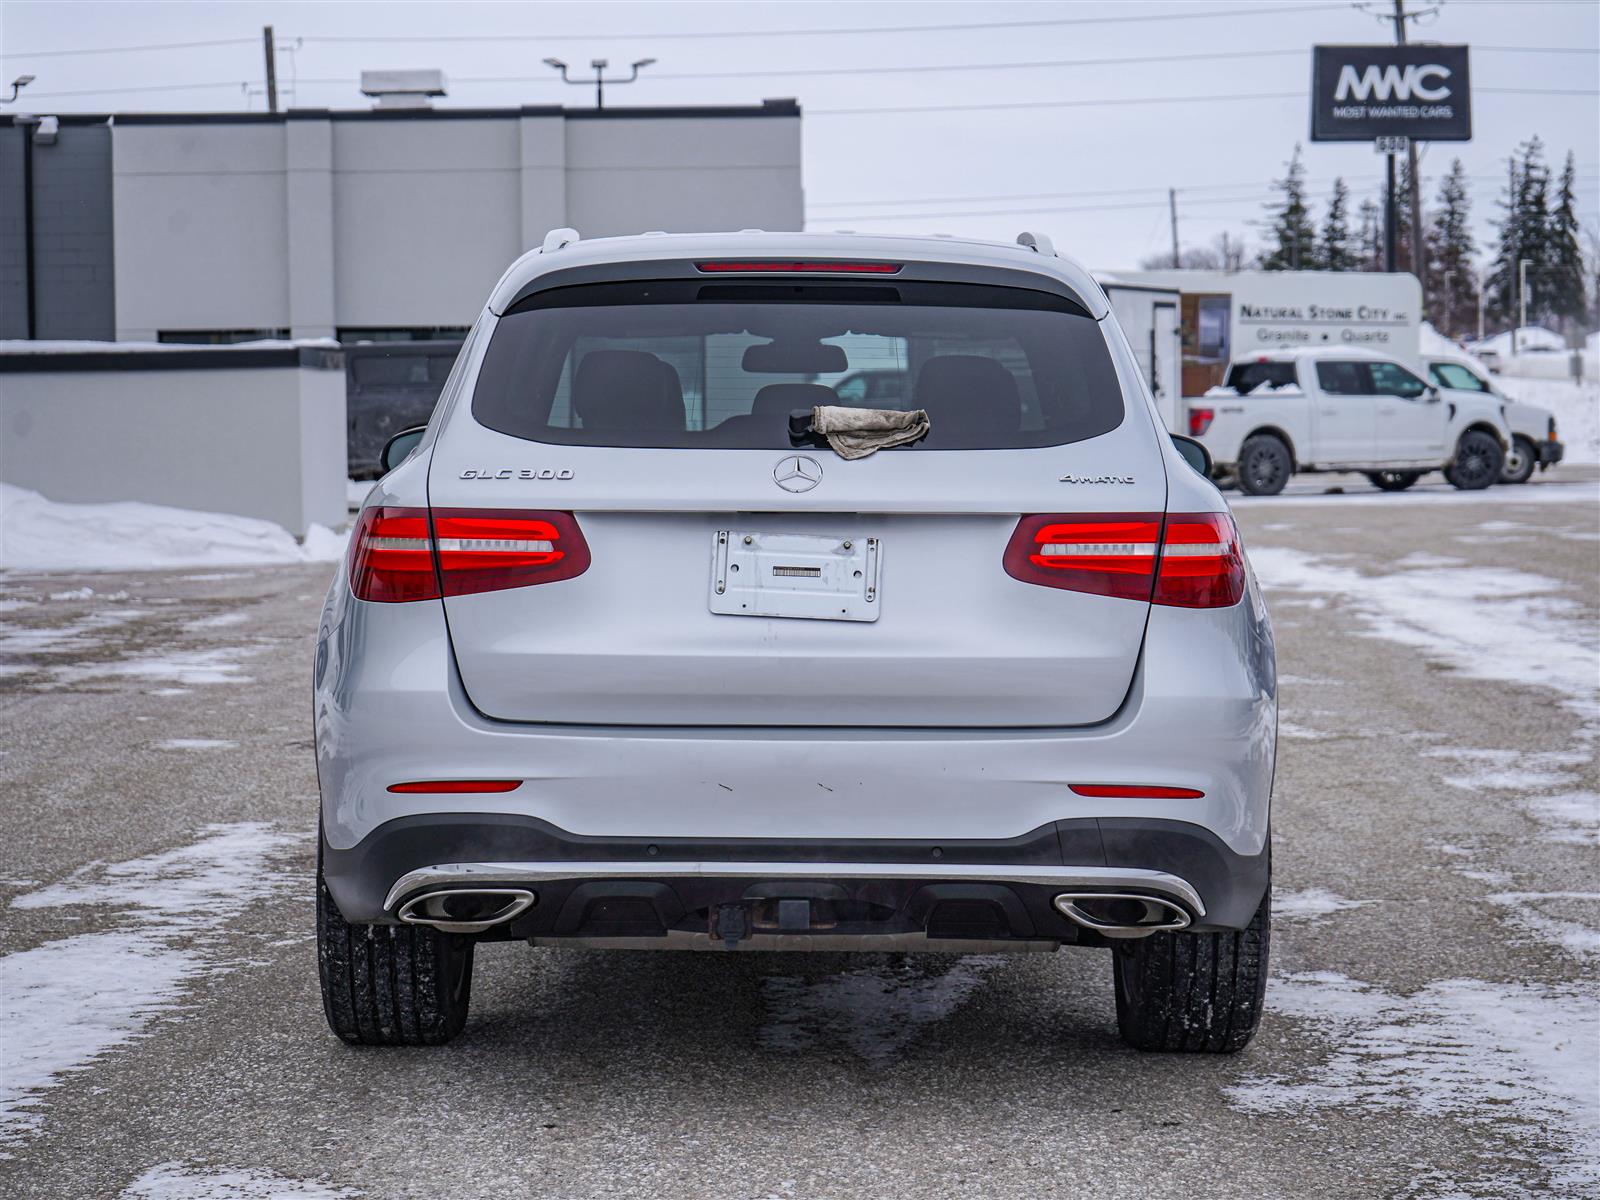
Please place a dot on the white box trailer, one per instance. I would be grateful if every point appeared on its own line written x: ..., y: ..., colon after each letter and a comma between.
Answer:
x: 1223, y: 315
x: 1148, y: 314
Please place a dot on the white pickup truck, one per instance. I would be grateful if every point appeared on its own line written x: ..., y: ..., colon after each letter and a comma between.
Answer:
x: 1335, y: 409
x: 1534, y: 443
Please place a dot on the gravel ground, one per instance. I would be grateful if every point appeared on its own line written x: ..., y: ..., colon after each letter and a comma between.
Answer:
x: 1432, y: 1017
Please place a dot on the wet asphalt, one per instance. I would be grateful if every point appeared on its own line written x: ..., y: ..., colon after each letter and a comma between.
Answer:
x: 586, y: 1073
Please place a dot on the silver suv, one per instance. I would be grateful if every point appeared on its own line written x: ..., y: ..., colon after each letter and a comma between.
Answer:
x: 626, y: 655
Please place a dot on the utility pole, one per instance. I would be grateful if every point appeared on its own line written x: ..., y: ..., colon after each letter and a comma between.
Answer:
x: 1391, y: 216
x: 1419, y: 261
x: 271, y: 50
x: 1172, y: 208
x: 1522, y: 301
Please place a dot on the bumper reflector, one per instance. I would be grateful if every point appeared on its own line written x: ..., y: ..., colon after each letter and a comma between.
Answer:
x: 1135, y: 791
x: 457, y: 786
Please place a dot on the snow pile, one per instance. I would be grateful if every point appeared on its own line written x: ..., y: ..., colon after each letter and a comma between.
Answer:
x: 60, y: 346
x: 65, y: 1003
x: 1576, y: 407
x: 1532, y: 338
x: 43, y: 535
x: 1518, y: 1056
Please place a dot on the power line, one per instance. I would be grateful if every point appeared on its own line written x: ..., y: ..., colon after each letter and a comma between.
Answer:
x: 1117, y: 101
x: 685, y: 35
x: 1183, y: 190
x: 246, y: 41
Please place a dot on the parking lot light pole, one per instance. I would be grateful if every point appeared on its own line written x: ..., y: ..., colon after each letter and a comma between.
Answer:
x: 599, y: 65
x: 1522, y: 301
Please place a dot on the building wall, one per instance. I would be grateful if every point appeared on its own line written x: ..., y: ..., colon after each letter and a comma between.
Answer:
x: 263, y: 442
x: 682, y: 175
x: 73, y: 277
x: 426, y: 215
x: 201, y: 221
x: 313, y: 221
x: 13, y: 283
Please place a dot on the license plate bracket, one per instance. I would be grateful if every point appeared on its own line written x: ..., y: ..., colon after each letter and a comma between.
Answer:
x: 805, y: 576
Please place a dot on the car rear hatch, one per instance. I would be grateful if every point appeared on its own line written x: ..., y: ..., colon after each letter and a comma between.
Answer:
x: 722, y: 570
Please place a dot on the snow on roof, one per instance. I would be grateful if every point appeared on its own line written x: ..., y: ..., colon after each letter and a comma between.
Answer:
x: 1296, y: 353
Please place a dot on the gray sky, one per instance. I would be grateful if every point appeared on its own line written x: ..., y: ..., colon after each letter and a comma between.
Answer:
x: 1092, y: 175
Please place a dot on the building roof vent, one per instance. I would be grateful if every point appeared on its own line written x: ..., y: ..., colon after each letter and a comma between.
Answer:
x: 402, y: 89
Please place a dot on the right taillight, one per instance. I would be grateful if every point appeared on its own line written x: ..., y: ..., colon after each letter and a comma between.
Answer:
x: 1200, y: 420
x: 1202, y: 565
x: 402, y: 554
x: 1184, y: 560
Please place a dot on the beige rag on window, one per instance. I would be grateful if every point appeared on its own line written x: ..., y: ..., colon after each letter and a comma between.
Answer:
x: 858, y: 432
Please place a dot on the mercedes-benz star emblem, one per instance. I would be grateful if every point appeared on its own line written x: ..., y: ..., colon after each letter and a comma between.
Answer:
x: 797, y: 473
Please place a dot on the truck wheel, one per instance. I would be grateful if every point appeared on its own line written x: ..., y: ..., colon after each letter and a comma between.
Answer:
x: 390, y: 985
x: 1479, y: 460
x: 1193, y: 992
x: 1264, y: 465
x: 1393, y: 481
x: 1520, y: 462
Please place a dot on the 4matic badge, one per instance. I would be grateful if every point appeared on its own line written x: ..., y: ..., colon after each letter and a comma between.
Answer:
x: 523, y: 473
x: 1097, y: 479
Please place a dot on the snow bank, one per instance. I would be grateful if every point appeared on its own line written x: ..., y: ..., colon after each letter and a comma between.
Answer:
x: 181, y: 1181
x: 1529, y: 337
x: 43, y: 535
x: 61, y: 346
x: 1576, y: 406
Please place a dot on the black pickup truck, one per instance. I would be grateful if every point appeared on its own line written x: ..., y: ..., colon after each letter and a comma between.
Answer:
x: 390, y: 386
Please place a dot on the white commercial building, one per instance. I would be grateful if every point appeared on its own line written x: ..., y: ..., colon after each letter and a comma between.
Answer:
x: 376, y: 223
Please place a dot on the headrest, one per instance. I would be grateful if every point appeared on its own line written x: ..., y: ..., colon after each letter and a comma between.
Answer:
x: 968, y: 393
x: 627, y: 389
x: 777, y: 400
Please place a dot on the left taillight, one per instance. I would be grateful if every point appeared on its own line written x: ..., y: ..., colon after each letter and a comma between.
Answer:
x: 401, y: 554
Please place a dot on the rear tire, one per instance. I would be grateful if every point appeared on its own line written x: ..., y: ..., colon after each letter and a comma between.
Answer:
x: 1520, y: 463
x: 1193, y: 993
x: 1478, y: 463
x: 390, y: 985
x: 1264, y: 465
x: 1393, y: 481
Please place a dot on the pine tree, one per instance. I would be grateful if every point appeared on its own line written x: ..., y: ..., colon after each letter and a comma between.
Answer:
x: 1291, y: 242
x: 1523, y: 235
x: 1369, y: 239
x: 1334, y: 251
x: 1408, y: 255
x: 1453, y: 301
x: 1564, y: 290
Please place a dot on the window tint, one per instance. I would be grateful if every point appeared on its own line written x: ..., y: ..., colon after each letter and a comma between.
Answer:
x: 1391, y: 379
x: 1343, y: 378
x: 697, y: 365
x: 1454, y: 375
x: 1244, y: 378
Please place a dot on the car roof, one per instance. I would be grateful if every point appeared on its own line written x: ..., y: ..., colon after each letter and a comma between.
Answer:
x: 756, y: 242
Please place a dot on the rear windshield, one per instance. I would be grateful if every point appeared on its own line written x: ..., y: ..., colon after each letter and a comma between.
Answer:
x: 1245, y: 378
x: 699, y: 365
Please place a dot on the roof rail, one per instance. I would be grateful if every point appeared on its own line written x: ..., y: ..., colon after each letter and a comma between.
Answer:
x: 1039, y: 243
x: 557, y: 238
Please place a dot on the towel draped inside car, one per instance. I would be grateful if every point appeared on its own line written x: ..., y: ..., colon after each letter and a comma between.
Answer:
x: 858, y: 432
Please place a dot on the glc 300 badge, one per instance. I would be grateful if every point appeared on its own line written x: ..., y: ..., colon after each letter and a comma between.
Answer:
x: 514, y: 473
x: 1097, y: 479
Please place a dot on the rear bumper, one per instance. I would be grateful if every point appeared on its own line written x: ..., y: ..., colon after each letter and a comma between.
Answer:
x: 1201, y: 713
x: 606, y: 888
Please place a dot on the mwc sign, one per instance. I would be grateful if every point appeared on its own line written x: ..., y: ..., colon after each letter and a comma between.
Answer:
x: 1361, y: 93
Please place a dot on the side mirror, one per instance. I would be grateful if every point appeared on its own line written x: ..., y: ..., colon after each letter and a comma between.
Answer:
x: 1431, y: 394
x: 398, y: 448
x: 1194, y: 453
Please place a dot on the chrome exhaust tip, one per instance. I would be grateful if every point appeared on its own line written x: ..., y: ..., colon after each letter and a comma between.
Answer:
x: 466, y: 910
x: 1122, y: 914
